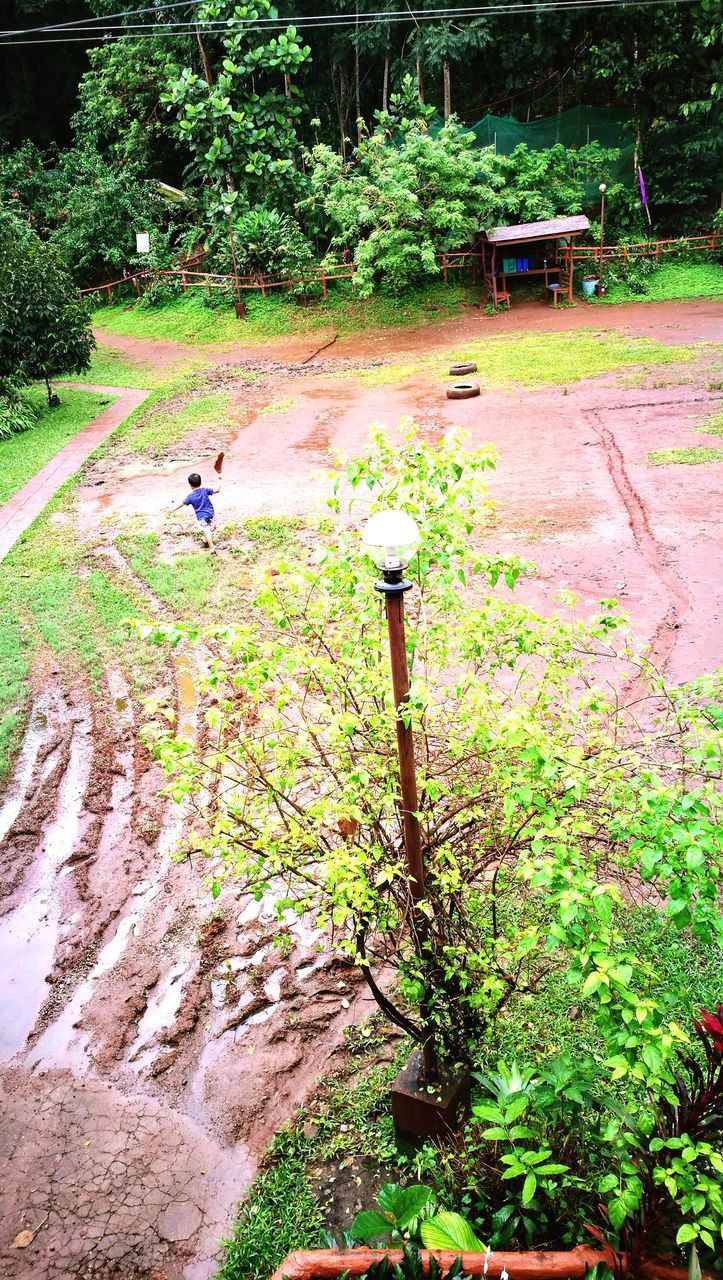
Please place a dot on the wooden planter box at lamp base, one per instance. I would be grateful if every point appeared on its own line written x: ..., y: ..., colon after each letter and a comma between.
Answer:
x: 573, y: 1264
x: 429, y: 1111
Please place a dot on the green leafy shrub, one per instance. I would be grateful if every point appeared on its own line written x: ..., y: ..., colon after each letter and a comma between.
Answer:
x: 405, y: 196
x: 44, y: 326
x: 16, y: 415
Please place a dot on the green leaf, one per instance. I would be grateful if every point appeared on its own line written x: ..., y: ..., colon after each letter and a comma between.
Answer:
x: 686, y: 1233
x: 411, y: 1202
x: 529, y: 1188
x: 450, y: 1231
x: 389, y: 1198
x: 495, y: 1134
x: 369, y: 1224
x: 617, y: 1213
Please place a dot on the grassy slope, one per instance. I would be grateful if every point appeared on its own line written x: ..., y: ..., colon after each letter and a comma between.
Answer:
x: 191, y: 320
x: 23, y: 455
x: 52, y: 597
x: 673, y: 282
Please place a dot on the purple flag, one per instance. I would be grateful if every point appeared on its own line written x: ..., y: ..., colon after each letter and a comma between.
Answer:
x: 641, y: 180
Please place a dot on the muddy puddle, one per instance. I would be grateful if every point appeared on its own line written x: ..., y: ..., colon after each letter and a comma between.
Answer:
x: 29, y: 931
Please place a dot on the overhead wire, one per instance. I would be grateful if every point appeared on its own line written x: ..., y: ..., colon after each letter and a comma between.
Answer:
x: 108, y: 31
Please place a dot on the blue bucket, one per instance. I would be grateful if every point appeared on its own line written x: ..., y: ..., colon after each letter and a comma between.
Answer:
x: 588, y: 288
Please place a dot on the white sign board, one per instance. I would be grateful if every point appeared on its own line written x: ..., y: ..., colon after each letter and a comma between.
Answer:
x: 143, y: 242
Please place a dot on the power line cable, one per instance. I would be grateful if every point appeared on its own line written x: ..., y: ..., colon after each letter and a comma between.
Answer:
x: 315, y: 21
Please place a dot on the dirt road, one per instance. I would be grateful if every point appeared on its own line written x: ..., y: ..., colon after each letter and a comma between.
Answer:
x: 145, y: 1076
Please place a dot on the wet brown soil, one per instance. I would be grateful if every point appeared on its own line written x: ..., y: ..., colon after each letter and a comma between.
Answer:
x: 153, y: 1040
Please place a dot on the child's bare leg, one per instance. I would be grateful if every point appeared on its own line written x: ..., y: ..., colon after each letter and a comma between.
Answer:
x: 207, y: 536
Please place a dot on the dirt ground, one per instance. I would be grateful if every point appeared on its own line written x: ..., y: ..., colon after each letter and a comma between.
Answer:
x: 151, y: 1045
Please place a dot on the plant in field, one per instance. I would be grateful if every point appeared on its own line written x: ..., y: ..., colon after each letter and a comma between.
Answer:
x: 44, y: 327
x: 16, y: 415
x: 669, y: 1164
x: 404, y: 197
x: 541, y: 794
x: 266, y: 243
x: 410, y: 1213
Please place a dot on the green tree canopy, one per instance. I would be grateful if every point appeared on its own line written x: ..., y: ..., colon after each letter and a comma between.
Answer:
x: 405, y: 195
x: 44, y: 327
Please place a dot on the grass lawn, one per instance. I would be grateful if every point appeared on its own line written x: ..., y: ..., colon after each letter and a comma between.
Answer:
x: 21, y: 456
x: 531, y: 360
x: 693, y: 457
x: 112, y: 368
x: 712, y: 426
x: 191, y: 320
x: 673, y: 282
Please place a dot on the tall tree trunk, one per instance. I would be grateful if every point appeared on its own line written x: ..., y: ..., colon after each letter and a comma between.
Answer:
x: 287, y: 84
x: 204, y: 57
x: 636, y: 107
x: 420, y: 81
x: 385, y: 85
x: 447, y: 91
x: 230, y: 184
x: 343, y: 107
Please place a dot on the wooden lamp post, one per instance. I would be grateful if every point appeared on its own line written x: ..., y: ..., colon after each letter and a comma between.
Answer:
x: 427, y: 1101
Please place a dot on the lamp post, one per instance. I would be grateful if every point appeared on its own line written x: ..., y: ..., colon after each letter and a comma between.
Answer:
x: 426, y: 1102
x: 602, y: 189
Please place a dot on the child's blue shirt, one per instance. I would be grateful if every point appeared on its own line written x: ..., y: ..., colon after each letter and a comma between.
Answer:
x: 200, y: 500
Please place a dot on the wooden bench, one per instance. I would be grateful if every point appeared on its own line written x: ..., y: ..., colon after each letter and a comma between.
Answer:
x: 554, y: 290
x: 502, y: 296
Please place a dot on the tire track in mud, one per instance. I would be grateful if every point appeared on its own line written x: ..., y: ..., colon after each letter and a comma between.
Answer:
x: 664, y: 638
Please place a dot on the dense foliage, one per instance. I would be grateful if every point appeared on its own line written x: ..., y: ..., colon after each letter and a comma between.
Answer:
x: 245, y: 114
x: 44, y: 327
x: 403, y: 197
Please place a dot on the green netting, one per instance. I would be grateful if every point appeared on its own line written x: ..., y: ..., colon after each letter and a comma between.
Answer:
x: 574, y: 129
x: 611, y: 128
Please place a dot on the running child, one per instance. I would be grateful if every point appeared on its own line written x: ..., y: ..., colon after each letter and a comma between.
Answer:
x: 200, y: 499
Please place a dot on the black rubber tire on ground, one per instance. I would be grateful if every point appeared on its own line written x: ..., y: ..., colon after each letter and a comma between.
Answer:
x: 461, y: 370
x: 462, y: 390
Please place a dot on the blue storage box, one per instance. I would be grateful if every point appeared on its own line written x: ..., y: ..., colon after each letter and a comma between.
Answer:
x: 523, y: 264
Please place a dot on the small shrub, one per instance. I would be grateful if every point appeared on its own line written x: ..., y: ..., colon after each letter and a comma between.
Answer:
x: 16, y: 415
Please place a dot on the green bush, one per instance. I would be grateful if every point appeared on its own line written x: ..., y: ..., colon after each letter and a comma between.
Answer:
x: 16, y: 415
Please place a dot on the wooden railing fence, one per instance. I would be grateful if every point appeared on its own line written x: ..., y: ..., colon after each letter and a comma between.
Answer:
x: 464, y: 260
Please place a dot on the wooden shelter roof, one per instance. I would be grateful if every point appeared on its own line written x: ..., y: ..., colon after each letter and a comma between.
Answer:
x: 549, y: 230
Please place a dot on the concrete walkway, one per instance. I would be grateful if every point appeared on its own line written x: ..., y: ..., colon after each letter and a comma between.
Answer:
x: 19, y: 512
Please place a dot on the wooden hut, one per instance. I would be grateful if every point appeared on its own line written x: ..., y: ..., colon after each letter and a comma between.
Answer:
x: 538, y: 249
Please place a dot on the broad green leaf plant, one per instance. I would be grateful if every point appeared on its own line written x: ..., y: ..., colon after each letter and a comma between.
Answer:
x: 557, y: 776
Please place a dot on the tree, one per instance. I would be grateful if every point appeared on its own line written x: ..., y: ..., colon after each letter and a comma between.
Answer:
x: 44, y: 327
x: 545, y: 800
x: 120, y: 116
x: 405, y: 195
x: 239, y: 121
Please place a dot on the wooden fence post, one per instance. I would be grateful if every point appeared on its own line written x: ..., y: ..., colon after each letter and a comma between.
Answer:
x: 323, y: 284
x: 444, y: 268
x: 353, y: 278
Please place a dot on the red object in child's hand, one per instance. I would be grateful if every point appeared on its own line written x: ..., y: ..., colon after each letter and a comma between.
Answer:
x: 218, y: 464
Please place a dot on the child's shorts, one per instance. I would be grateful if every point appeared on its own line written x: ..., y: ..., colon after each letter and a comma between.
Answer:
x: 206, y: 522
